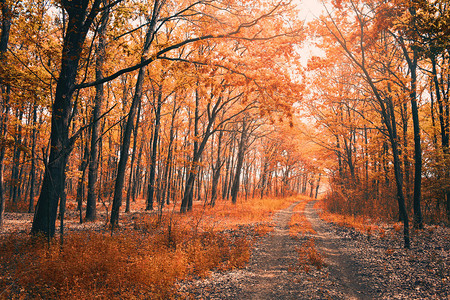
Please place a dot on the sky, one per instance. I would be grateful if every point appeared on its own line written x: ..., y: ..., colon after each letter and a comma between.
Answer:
x: 309, y: 8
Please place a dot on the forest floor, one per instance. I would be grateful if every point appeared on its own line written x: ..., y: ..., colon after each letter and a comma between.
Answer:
x: 341, y: 263
x: 304, y: 257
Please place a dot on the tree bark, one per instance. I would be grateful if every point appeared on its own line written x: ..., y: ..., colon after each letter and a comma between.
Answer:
x: 168, y: 164
x: 81, y: 179
x: 186, y: 203
x: 412, y: 63
x: 151, y: 182
x: 91, y: 201
x: 239, y: 163
x: 133, y: 158
x: 5, y: 93
x: 15, y: 178
x: 33, y: 161
x: 317, y: 186
x: 216, y: 171
x: 444, y: 126
x: 118, y: 187
x: 52, y: 188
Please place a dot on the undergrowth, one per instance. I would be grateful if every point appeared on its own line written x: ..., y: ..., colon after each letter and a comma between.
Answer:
x: 298, y: 223
x: 309, y: 256
x: 360, y: 223
x: 142, y: 259
x: 307, y: 252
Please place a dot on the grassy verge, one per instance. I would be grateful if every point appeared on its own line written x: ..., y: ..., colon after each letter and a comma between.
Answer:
x: 299, y: 224
x: 299, y: 227
x: 360, y: 223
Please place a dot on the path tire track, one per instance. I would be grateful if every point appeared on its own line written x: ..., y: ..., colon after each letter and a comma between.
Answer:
x: 341, y: 267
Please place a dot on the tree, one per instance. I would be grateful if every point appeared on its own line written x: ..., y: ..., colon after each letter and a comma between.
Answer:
x: 149, y: 37
x: 356, y: 46
x: 80, y: 18
x: 91, y: 201
x: 171, y: 29
x: 5, y: 90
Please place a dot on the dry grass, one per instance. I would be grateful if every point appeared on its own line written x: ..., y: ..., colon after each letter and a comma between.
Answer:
x: 228, y: 215
x: 309, y: 256
x: 299, y: 224
x: 307, y: 253
x: 143, y: 258
x: 360, y: 223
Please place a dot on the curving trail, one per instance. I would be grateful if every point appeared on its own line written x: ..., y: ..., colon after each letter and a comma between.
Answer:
x: 273, y: 271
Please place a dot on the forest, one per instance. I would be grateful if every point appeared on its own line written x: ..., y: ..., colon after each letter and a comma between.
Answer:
x: 165, y: 136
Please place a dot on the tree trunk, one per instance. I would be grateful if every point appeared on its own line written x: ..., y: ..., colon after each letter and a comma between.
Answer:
x: 216, y: 171
x: 33, y: 161
x: 239, y: 163
x: 318, y: 186
x: 412, y: 63
x: 137, y: 175
x: 15, y: 178
x: 60, y: 146
x: 186, y: 203
x: 81, y: 179
x: 151, y: 182
x: 418, y: 220
x: 444, y: 126
x: 168, y: 165
x: 389, y: 118
x: 264, y: 176
x: 5, y: 93
x: 227, y: 175
x: 118, y: 187
x: 133, y: 158
x: 121, y: 167
x: 404, y: 153
x: 91, y: 201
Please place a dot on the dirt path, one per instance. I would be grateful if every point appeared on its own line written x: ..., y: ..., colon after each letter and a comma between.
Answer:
x: 358, y: 266
x: 268, y: 275
x: 273, y: 271
x: 342, y: 268
x: 269, y: 270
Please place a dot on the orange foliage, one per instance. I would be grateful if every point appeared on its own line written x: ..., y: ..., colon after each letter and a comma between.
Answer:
x: 309, y: 256
x: 358, y: 222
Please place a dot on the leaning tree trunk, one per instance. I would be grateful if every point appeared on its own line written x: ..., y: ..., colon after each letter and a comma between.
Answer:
x: 118, y: 187
x: 60, y: 146
x: 120, y: 178
x: 389, y: 119
x: 91, y: 201
x: 239, y: 163
x: 186, y: 202
x: 216, y: 171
